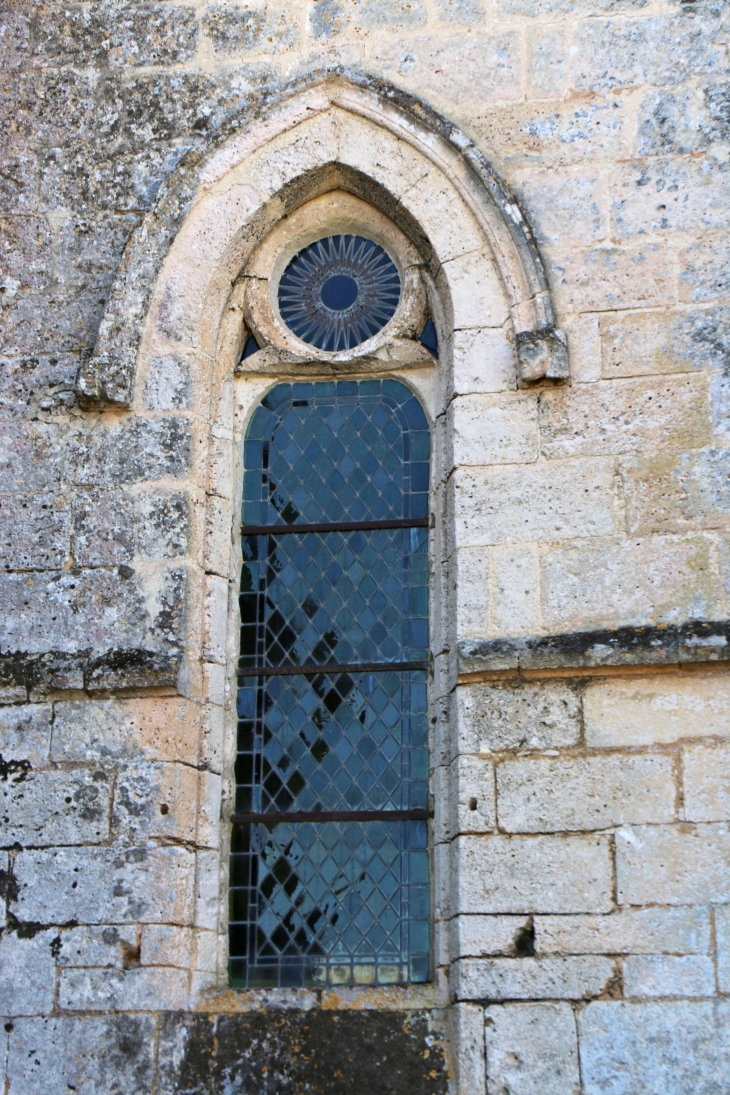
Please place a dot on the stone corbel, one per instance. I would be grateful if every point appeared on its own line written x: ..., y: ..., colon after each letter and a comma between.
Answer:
x: 105, y: 381
x: 542, y: 355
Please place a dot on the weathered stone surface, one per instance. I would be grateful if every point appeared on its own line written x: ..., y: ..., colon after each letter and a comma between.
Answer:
x: 31, y: 385
x: 514, y: 607
x: 671, y: 493
x: 494, y: 429
x: 652, y: 580
x: 59, y: 1055
x: 667, y: 709
x: 667, y: 975
x: 102, y: 945
x: 499, y: 874
x: 575, y: 978
x: 162, y: 524
x: 30, y: 456
x: 97, y: 885
x: 163, y: 945
x: 34, y: 531
x: 130, y: 453
x: 565, y: 205
x: 232, y: 30
x: 47, y: 808
x: 498, y: 717
x: 169, y: 384
x: 557, y: 501
x: 665, y: 342
x: 484, y: 936
x: 369, y: 1052
x: 462, y: 12
x: 609, y: 278
x: 646, y: 1048
x: 531, y: 1050
x: 123, y: 990
x: 667, y: 194
x: 629, y: 931
x: 27, y: 973
x: 336, y: 16
x: 542, y: 795
x: 155, y: 800
x: 154, y: 729
x: 25, y: 733
x: 722, y: 942
x: 485, y: 70
x: 673, y: 866
x: 669, y: 121
x: 103, y: 531
x: 625, y: 416
x: 703, y: 275
x: 706, y: 783
x: 115, y: 34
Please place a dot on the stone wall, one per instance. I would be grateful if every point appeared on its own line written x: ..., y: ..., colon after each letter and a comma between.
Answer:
x: 581, y: 694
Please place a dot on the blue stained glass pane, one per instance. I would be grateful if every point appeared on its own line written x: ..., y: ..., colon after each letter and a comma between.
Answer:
x: 333, y: 902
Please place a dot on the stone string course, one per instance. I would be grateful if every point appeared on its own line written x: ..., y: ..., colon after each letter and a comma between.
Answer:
x: 582, y: 828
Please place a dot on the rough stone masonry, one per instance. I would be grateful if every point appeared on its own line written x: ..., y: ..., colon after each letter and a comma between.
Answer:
x: 581, y: 696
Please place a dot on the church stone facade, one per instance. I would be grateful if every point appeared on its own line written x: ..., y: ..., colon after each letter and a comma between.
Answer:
x: 551, y: 179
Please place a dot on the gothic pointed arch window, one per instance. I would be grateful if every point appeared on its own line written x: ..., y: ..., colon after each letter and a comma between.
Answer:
x: 330, y: 860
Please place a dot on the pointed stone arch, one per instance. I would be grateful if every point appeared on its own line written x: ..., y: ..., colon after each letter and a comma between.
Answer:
x: 307, y: 143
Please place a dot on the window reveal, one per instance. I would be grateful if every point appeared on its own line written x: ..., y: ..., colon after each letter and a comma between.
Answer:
x: 329, y: 862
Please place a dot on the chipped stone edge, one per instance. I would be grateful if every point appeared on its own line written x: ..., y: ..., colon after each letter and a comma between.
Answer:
x: 696, y: 641
x: 26, y: 676
x: 107, y: 377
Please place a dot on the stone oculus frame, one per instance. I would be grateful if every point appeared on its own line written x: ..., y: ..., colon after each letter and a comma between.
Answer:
x: 196, y: 279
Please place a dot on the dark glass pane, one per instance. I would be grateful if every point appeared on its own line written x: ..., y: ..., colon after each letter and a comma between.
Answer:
x: 333, y: 902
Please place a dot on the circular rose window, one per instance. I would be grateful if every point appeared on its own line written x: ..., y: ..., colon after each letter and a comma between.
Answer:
x: 339, y: 292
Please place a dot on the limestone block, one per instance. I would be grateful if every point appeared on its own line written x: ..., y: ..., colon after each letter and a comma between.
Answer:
x: 684, y: 195
x: 498, y: 717
x: 531, y: 1050
x: 607, y: 278
x: 489, y: 429
x: 25, y: 733
x: 162, y: 521
x: 469, y: 573
x: 669, y: 122
x: 706, y: 783
x: 207, y: 890
x: 485, y: 936
x: 673, y: 866
x: 500, y: 874
x: 212, y: 739
x: 515, y: 591
x: 484, y: 361
x: 218, y: 219
x: 153, y: 728
x: 672, y: 1048
x: 546, y: 501
x: 629, y: 931
x: 625, y: 416
x: 565, y: 206
x: 575, y: 978
x: 216, y: 619
x: 231, y: 30
x: 41, y: 809
x: 294, y: 153
x: 133, y: 452
x: 659, y: 710
x: 467, y: 1032
x: 34, y: 531
x: 169, y: 384
x: 722, y: 937
x: 218, y: 535
x: 703, y: 270
x: 664, y: 342
x: 161, y: 989
x: 628, y: 53
x: 611, y: 583
x: 158, y: 34
x: 672, y: 493
x: 464, y: 797
x: 452, y: 231
x: 59, y: 1055
x: 668, y: 975
x: 102, y: 945
x: 96, y: 885
x: 541, y: 795
x: 584, y: 343
x: 205, y: 950
x: 548, y: 66
x: 103, y: 528
x: 27, y: 974
x: 475, y: 293
x: 31, y: 456
x: 379, y: 154
x: 209, y: 816
x: 165, y: 945
x: 155, y: 800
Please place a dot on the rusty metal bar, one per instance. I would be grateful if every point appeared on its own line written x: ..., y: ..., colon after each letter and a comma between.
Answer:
x: 318, y: 816
x: 344, y: 526
x: 328, y: 668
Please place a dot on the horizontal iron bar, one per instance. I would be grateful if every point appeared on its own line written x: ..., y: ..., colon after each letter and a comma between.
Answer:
x: 315, y: 816
x: 343, y: 526
x: 328, y: 667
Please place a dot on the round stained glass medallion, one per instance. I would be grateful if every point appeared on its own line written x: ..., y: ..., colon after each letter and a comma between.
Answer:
x: 339, y: 292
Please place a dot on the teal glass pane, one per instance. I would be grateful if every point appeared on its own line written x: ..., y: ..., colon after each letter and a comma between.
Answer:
x: 333, y: 902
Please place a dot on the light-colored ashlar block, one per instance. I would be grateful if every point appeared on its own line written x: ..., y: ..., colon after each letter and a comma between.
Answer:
x: 155, y: 800
x: 486, y: 936
x: 668, y: 975
x: 706, y: 782
x: 494, y: 429
x: 467, y: 1025
x: 531, y: 1050
x: 627, y: 931
x: 546, y: 501
x: 657, y: 710
x: 545, y: 795
x: 25, y: 733
x: 532, y: 874
x: 166, y: 945
x: 608, y: 278
x: 667, y: 865
x: 123, y: 990
x: 50, y: 807
x: 484, y: 360
x: 475, y: 292
x: 673, y: 1048
x: 514, y: 590
x: 151, y: 728
x: 500, y: 717
x: 27, y: 973
x: 722, y: 942
x: 571, y: 978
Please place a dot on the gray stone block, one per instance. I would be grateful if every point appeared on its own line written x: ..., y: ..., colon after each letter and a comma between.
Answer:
x: 34, y: 531
x: 31, y: 456
x: 85, y: 1055
x: 31, y: 386
x: 645, y: 1049
x: 102, y: 945
x: 169, y: 384
x: 566, y: 978
x: 25, y: 733
x: 134, y: 452
x: 162, y: 523
x: 27, y: 973
x: 103, y: 529
x: 499, y: 717
x: 118, y: 35
x: 51, y: 807
x: 531, y: 1050
x: 668, y: 975
x: 161, y: 989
